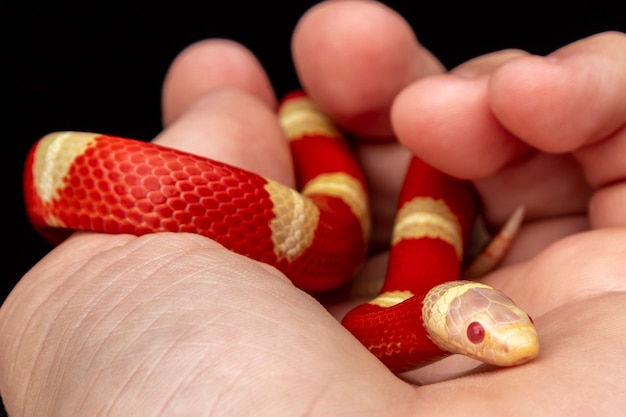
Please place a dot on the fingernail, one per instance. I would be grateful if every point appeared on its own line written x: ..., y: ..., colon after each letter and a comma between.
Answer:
x: 466, y: 74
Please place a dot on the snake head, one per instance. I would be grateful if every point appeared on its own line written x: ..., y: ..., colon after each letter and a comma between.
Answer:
x: 481, y: 322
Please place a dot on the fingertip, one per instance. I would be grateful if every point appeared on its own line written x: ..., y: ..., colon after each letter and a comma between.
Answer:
x: 209, y: 64
x: 446, y: 121
x: 564, y: 101
x: 353, y: 57
x: 606, y: 206
x: 526, y: 95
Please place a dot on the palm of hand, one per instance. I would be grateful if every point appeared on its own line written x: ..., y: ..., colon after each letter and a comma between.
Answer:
x: 168, y: 323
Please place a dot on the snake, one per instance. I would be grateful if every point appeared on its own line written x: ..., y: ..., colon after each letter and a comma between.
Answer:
x: 316, y: 234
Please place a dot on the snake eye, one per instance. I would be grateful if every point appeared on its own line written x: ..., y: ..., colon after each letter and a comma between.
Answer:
x: 475, y: 332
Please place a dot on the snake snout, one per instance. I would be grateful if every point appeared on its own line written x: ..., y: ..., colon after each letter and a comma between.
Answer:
x: 483, y: 323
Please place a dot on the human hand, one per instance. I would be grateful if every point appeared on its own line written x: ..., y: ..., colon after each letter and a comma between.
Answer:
x: 522, y: 128
x: 174, y: 323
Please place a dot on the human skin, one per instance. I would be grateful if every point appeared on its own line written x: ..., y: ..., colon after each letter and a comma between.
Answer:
x: 170, y: 324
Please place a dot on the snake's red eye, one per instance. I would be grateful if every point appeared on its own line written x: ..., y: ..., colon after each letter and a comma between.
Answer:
x: 475, y: 332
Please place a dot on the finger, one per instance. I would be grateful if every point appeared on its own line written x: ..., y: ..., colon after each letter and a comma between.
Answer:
x: 234, y: 127
x: 218, y: 103
x: 606, y: 208
x: 604, y: 168
x: 569, y: 99
x: 208, y: 64
x: 447, y: 121
x: 546, y: 185
x: 488, y: 63
x: 353, y: 57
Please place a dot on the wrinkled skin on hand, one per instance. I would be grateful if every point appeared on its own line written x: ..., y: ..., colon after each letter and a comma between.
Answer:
x: 177, y: 325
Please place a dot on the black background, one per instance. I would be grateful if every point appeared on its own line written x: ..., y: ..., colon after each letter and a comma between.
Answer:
x: 99, y: 67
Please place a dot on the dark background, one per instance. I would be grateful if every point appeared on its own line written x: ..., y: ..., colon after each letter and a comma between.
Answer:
x: 99, y: 67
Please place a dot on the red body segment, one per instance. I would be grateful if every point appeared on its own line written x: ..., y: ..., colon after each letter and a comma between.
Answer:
x: 419, y: 264
x: 396, y: 334
x: 123, y: 186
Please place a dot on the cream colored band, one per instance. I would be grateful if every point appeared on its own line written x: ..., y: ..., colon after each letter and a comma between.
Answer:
x: 294, y: 223
x: 53, y: 158
x: 347, y: 188
x: 391, y: 298
x: 301, y: 116
x: 427, y: 217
